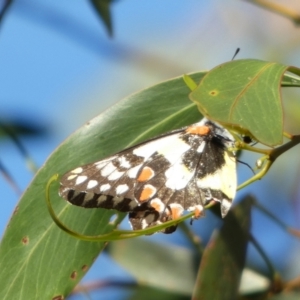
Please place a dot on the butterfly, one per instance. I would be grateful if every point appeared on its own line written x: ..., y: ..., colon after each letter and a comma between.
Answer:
x: 157, y: 180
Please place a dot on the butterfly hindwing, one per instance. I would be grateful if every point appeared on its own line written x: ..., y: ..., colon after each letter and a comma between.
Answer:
x: 157, y: 180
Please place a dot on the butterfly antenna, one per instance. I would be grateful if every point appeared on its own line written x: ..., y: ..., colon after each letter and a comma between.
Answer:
x: 236, y: 53
x: 242, y: 162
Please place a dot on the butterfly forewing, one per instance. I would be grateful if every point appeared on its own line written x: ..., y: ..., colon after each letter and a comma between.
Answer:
x: 159, y: 179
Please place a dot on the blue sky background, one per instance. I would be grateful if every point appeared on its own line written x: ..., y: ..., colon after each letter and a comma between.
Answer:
x: 59, y: 69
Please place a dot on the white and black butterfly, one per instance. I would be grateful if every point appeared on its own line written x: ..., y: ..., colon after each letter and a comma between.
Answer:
x: 157, y: 180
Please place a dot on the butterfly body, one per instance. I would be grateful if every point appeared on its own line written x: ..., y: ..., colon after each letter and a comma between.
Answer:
x: 157, y: 180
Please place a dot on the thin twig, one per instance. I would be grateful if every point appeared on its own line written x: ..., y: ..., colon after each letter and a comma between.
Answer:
x: 282, y: 10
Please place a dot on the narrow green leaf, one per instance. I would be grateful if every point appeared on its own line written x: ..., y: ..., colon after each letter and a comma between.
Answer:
x: 224, y: 257
x: 290, y: 80
x: 37, y: 259
x: 244, y: 95
x: 102, y: 8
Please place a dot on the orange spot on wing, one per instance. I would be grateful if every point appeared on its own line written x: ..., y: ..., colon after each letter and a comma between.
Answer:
x: 147, y: 193
x: 176, y: 212
x: 198, y: 212
x: 200, y: 130
x: 157, y: 205
x: 146, y: 174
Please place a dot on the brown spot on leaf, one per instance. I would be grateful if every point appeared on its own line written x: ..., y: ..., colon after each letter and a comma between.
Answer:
x: 59, y: 297
x: 16, y: 210
x: 84, y: 268
x: 25, y: 240
x: 74, y: 275
x: 213, y: 93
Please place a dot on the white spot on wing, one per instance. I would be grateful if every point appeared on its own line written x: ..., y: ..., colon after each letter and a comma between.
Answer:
x: 77, y: 170
x: 108, y: 169
x: 105, y: 187
x: 91, y: 184
x: 145, y: 150
x: 115, y: 175
x: 178, y: 176
x: 70, y: 177
x: 132, y: 173
x: 122, y: 188
x: 225, y: 206
x: 158, y: 145
x: 144, y: 224
x: 99, y: 165
x: 201, y: 147
x: 174, y: 149
x: 80, y: 179
x: 124, y: 163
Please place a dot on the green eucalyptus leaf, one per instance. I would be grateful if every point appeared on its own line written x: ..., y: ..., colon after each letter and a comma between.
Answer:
x: 245, y: 95
x: 37, y: 259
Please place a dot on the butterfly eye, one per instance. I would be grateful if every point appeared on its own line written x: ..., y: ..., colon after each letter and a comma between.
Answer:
x: 247, y: 139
